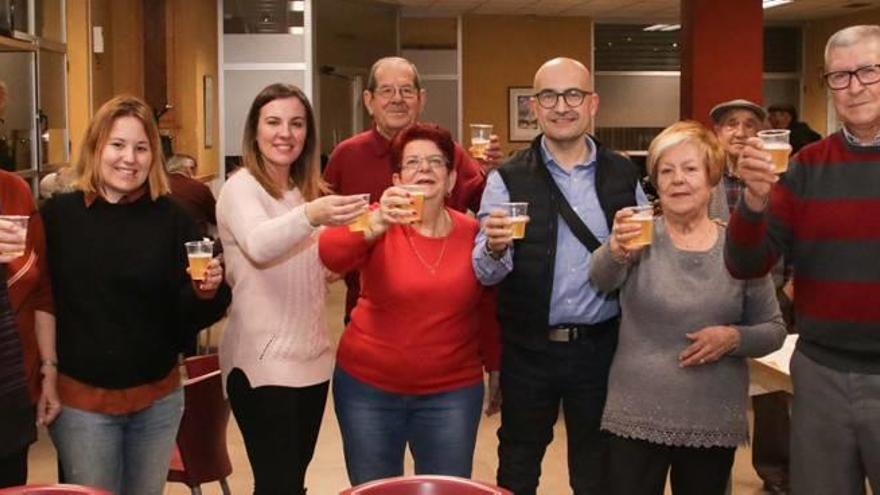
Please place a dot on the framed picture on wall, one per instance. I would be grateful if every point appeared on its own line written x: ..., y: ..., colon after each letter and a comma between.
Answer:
x: 522, y: 125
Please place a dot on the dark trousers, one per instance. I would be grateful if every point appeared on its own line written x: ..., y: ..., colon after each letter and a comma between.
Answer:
x: 770, y: 440
x: 13, y: 468
x: 637, y: 467
x: 280, y: 428
x: 533, y: 385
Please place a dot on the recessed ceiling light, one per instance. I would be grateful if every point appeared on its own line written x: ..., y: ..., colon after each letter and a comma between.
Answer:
x: 769, y: 4
x: 662, y: 27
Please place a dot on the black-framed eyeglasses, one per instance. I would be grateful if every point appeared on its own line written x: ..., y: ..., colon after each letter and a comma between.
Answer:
x: 841, y: 79
x: 572, y: 97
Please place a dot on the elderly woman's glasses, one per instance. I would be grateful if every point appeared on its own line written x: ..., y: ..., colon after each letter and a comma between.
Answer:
x: 572, y: 97
x: 841, y: 79
x: 411, y: 163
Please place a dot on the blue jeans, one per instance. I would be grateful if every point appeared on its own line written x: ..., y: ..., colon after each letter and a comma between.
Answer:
x: 441, y: 429
x: 127, y: 454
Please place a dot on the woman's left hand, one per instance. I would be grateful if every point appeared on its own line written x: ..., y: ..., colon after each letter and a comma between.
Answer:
x: 709, y: 345
x: 213, y: 277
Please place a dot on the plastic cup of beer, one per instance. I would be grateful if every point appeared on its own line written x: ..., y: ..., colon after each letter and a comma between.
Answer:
x: 776, y: 141
x: 417, y: 193
x: 518, y: 213
x: 480, y: 137
x: 199, y: 254
x: 644, y: 216
x: 22, y: 222
x: 362, y: 222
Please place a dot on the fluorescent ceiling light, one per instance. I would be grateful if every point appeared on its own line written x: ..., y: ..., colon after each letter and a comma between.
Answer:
x: 769, y: 4
x: 663, y: 27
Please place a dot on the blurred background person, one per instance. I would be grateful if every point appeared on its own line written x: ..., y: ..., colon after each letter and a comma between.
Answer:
x: 193, y: 195
x: 60, y: 181
x: 25, y: 305
x: 275, y: 354
x: 124, y: 304
x: 410, y: 363
x: 785, y: 116
x: 678, y: 387
x: 735, y: 122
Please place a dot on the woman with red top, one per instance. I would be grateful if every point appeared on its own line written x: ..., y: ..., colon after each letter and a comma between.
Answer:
x: 25, y: 306
x: 410, y: 363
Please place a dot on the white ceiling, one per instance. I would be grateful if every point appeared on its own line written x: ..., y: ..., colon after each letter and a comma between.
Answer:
x: 626, y: 11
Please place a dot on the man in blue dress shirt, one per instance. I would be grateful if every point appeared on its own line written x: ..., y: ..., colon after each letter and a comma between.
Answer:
x: 559, y: 332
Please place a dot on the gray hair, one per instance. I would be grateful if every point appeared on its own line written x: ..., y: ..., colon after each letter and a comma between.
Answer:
x: 177, y: 164
x: 850, y: 36
x: 371, y: 79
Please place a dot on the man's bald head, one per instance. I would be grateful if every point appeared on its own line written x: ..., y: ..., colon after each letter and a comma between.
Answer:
x: 563, y: 65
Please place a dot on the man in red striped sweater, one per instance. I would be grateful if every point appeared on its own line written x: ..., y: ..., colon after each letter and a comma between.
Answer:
x: 825, y: 213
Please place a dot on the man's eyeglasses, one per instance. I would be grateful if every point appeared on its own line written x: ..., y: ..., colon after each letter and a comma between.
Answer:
x: 388, y: 92
x: 841, y: 79
x: 411, y: 163
x: 572, y: 97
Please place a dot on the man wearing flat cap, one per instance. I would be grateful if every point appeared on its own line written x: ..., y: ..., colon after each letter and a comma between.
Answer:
x: 735, y: 122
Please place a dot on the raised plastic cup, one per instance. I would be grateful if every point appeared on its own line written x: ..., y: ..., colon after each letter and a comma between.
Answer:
x: 199, y: 254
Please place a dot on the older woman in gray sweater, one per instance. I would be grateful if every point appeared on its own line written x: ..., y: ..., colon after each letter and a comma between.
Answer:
x: 678, y: 386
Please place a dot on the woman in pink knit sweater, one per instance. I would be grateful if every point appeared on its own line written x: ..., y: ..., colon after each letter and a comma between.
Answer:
x: 275, y: 355
x: 410, y: 364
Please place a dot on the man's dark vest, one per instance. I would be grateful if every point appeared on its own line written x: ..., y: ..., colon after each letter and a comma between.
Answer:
x: 524, y: 294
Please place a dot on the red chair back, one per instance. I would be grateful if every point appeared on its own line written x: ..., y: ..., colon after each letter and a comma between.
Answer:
x: 52, y: 490
x: 425, y: 485
x: 197, y: 366
x: 201, y: 438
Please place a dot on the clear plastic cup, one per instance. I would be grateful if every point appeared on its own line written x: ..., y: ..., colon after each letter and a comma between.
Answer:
x: 518, y: 213
x: 199, y: 254
x: 776, y: 142
x: 417, y: 193
x: 480, y: 138
x: 362, y: 222
x: 644, y: 216
x: 22, y: 222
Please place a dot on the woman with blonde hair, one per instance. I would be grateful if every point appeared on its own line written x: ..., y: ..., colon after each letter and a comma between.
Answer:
x: 275, y: 355
x: 678, y: 385
x: 124, y: 304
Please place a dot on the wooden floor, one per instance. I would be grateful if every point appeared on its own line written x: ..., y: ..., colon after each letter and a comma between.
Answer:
x: 327, y: 475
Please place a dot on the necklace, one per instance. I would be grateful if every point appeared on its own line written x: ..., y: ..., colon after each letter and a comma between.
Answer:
x: 431, y: 267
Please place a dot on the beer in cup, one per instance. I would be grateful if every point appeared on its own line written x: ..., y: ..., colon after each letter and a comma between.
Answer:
x: 644, y: 216
x: 518, y: 213
x: 362, y: 222
x: 480, y: 137
x: 776, y: 142
x: 22, y: 222
x: 200, y: 254
x: 417, y: 193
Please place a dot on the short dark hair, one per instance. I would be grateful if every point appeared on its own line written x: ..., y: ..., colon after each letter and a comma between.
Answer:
x: 427, y: 132
x: 784, y: 107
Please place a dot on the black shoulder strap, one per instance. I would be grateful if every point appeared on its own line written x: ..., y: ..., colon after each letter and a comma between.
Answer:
x: 577, y: 226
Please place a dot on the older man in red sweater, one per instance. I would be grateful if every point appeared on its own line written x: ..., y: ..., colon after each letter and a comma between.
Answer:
x: 361, y: 164
x: 825, y: 213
